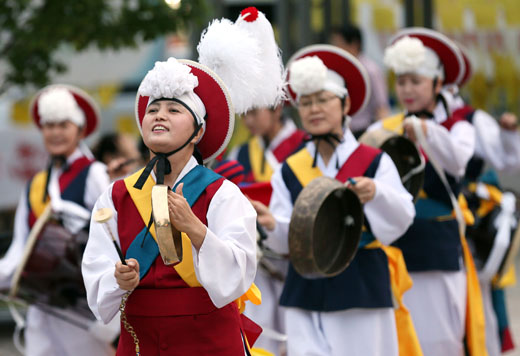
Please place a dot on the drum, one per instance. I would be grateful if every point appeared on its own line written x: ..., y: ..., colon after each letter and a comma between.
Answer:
x: 493, y: 245
x: 169, y: 239
x: 405, y: 155
x: 50, y: 272
x: 325, y: 228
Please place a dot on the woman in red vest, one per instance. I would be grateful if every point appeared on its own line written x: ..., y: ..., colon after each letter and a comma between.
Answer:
x: 185, y: 117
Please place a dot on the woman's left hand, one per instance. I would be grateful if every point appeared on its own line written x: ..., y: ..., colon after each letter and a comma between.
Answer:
x: 410, y: 132
x: 508, y: 121
x: 183, y: 218
x: 365, y: 188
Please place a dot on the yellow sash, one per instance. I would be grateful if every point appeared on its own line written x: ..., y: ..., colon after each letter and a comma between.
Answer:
x: 142, y: 199
x: 36, y: 192
x: 301, y: 165
x: 394, y: 123
x: 475, y: 320
x: 256, y: 156
x: 400, y: 281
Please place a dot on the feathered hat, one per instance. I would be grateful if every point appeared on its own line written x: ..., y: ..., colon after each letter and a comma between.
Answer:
x: 201, y: 91
x: 426, y: 52
x: 245, y: 55
x: 61, y: 102
x: 325, y: 67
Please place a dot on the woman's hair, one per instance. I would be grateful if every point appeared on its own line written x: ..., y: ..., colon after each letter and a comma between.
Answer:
x: 107, y: 145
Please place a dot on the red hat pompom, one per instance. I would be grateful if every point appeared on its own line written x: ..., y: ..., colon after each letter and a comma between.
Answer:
x: 249, y: 14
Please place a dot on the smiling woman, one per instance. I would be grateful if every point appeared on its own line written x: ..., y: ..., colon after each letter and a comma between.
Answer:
x: 61, y: 138
x: 182, y: 110
x: 167, y: 125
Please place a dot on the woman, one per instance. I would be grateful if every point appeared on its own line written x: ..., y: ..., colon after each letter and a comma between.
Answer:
x: 274, y: 139
x: 71, y: 185
x: 435, y: 252
x: 497, y: 146
x: 338, y: 315
x: 182, y: 110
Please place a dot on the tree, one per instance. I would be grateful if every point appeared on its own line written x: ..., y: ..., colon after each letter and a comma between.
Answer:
x: 32, y: 30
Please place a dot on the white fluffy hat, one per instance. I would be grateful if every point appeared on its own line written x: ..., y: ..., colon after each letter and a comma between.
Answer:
x: 62, y: 102
x: 245, y: 55
x: 310, y: 75
x: 437, y: 55
x: 173, y: 79
x: 325, y: 67
x: 410, y: 55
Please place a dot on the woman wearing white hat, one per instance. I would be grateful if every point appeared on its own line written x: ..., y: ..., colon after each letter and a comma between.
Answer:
x: 497, y: 146
x: 71, y: 185
x: 341, y: 315
x: 445, y: 300
x: 183, y: 110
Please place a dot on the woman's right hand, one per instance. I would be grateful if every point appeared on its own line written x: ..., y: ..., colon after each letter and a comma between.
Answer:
x: 264, y: 216
x: 127, y: 276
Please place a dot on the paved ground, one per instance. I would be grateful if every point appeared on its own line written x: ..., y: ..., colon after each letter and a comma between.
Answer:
x: 6, y: 326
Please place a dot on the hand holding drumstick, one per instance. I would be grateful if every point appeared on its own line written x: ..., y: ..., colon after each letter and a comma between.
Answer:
x: 127, y: 272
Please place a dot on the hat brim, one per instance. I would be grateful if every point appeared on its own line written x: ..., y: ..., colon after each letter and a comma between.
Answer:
x: 84, y: 101
x: 220, y: 116
x: 346, y: 65
x: 468, y: 68
x: 447, y: 51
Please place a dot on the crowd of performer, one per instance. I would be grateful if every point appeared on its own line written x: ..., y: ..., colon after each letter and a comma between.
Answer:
x: 434, y: 256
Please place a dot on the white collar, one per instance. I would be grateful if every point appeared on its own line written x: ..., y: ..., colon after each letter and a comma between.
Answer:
x: 341, y: 154
x: 77, y: 154
x: 192, y: 163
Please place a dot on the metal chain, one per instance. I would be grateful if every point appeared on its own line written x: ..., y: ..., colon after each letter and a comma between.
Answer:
x: 127, y: 325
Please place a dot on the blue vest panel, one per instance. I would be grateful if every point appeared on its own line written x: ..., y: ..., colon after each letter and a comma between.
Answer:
x: 430, y: 244
x: 75, y: 191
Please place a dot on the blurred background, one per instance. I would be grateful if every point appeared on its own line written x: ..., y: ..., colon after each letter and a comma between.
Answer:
x: 107, y: 46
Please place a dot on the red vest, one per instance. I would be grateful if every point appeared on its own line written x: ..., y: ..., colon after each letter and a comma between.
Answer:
x: 169, y: 317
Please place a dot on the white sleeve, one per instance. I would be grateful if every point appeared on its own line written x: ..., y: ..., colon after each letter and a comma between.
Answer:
x: 97, y: 182
x: 451, y: 149
x: 497, y: 146
x: 511, y: 144
x: 12, y: 257
x: 281, y: 207
x: 225, y: 264
x: 392, y: 210
x: 98, y: 265
x: 375, y: 126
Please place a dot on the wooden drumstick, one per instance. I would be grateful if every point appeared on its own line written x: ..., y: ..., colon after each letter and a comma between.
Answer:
x: 102, y: 216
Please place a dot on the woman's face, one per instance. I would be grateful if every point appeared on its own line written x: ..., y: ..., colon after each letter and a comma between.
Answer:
x: 322, y: 113
x: 61, y: 138
x: 416, y: 92
x: 167, y: 125
x: 260, y: 122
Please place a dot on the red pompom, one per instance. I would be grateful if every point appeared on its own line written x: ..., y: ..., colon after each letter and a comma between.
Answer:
x: 249, y: 14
